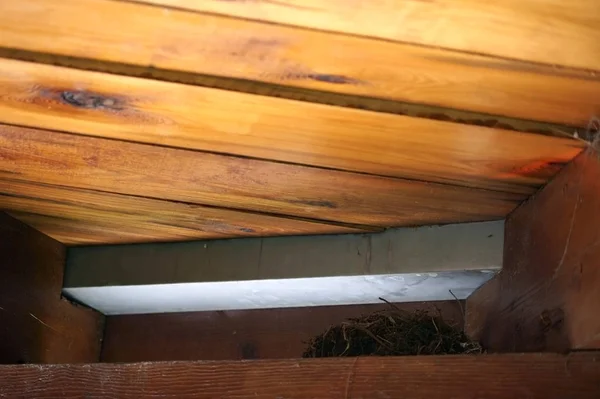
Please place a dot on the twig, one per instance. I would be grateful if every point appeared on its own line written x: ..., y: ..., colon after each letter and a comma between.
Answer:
x: 377, y: 339
x: 462, y: 311
x: 435, y: 325
x: 391, y: 304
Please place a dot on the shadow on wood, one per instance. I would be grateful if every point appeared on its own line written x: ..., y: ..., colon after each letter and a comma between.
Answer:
x: 36, y: 325
x: 234, y: 335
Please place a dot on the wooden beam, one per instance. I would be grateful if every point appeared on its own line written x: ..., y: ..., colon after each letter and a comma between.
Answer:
x: 565, y: 33
x: 175, y: 115
x: 546, y: 297
x: 223, y: 181
x: 534, y: 376
x: 36, y: 325
x: 237, y: 334
x: 161, y: 39
x: 75, y: 217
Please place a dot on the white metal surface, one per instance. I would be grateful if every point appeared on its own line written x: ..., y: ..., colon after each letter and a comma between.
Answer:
x: 254, y: 294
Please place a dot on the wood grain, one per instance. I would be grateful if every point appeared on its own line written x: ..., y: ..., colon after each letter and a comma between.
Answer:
x: 534, y: 376
x: 201, y: 178
x: 176, y: 115
x: 36, y: 325
x: 236, y: 335
x: 76, y: 216
x: 546, y: 297
x: 552, y: 31
x: 207, y: 44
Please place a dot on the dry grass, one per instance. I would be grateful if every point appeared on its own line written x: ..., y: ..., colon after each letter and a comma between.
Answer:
x: 392, y: 332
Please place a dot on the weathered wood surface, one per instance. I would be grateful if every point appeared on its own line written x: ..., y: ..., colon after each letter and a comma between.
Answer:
x: 170, y: 114
x: 36, y: 325
x: 551, y: 31
x: 161, y: 39
x: 534, y: 376
x: 75, y: 216
x: 222, y: 181
x: 546, y: 298
x: 236, y: 335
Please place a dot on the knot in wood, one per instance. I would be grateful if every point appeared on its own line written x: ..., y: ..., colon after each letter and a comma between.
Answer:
x: 84, y: 99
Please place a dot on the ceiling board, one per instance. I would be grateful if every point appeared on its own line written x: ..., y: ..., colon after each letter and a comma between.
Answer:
x: 171, y: 114
x: 163, y: 39
x: 223, y: 181
x: 77, y: 216
x: 161, y: 120
x: 555, y: 32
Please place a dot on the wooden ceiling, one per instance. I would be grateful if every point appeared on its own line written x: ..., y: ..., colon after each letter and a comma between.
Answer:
x: 164, y: 120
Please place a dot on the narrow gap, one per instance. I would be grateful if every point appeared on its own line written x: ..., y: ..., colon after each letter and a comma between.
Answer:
x: 295, y: 93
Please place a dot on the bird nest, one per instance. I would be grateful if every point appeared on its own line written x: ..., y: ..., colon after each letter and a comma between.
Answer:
x: 392, y: 332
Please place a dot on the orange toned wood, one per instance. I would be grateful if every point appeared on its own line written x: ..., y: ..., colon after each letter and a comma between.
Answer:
x: 552, y: 31
x: 236, y: 335
x: 36, y: 325
x: 83, y: 232
x: 205, y: 44
x: 546, y: 297
x: 534, y: 376
x: 171, y: 114
x: 75, y: 216
x: 201, y: 178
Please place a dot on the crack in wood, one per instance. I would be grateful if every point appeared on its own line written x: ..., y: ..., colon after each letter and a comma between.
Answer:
x: 570, y: 232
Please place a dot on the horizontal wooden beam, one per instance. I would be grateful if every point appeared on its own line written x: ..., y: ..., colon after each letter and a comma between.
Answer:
x: 400, y: 265
x: 533, y: 376
x: 546, y: 296
x: 160, y: 39
x: 176, y: 115
x: 244, y: 184
x: 565, y: 33
x: 76, y: 217
x: 239, y: 334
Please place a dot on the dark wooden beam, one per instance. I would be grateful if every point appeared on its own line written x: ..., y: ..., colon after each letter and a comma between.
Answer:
x: 546, y: 298
x: 36, y: 325
x: 236, y: 334
x: 544, y: 376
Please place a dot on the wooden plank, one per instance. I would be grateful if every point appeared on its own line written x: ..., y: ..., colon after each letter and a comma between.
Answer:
x: 176, y: 115
x: 238, y: 334
x: 160, y: 39
x: 76, y: 216
x: 36, y: 325
x: 202, y: 178
x: 553, y: 32
x: 535, y: 376
x: 546, y: 297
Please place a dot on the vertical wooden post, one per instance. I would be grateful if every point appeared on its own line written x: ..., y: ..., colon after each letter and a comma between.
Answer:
x: 547, y: 296
x: 36, y: 325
